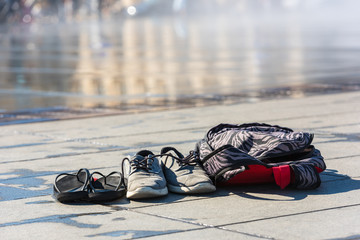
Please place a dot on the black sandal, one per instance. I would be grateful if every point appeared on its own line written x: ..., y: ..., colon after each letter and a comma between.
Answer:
x: 72, y: 187
x: 106, y: 188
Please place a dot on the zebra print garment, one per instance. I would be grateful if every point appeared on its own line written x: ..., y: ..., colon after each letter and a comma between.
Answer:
x: 228, y: 149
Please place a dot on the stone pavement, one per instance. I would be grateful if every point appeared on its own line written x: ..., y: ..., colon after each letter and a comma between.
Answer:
x: 31, y: 155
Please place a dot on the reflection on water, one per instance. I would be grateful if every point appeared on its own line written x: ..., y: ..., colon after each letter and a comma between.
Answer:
x: 169, y: 59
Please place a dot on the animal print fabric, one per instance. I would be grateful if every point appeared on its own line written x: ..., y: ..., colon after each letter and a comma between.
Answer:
x: 227, y: 149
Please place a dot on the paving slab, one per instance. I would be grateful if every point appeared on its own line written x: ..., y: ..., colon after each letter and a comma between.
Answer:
x: 210, y: 233
x: 247, y: 204
x: 324, y: 224
x: 272, y: 111
x: 31, y: 155
x: 55, y: 221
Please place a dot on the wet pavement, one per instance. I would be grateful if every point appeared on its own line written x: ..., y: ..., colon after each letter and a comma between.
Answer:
x: 294, y: 70
x: 32, y: 155
x: 119, y: 65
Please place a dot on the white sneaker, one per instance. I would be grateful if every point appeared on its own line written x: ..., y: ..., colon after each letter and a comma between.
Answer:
x: 144, y: 177
x: 184, y: 174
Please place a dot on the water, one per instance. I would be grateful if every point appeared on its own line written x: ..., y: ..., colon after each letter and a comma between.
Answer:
x: 162, y: 61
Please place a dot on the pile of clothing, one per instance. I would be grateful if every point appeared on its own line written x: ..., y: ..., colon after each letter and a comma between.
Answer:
x: 228, y: 154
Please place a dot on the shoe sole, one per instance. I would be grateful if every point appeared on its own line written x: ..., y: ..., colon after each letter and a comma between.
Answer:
x: 198, y: 188
x: 146, y: 192
x: 106, y: 196
x: 71, y: 196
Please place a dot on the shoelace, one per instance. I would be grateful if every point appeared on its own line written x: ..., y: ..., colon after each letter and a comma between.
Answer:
x: 143, y: 163
x: 140, y: 163
x: 191, y: 159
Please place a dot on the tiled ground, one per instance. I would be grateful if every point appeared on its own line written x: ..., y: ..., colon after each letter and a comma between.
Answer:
x: 31, y: 155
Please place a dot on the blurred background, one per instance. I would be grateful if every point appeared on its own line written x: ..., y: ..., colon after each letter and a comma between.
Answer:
x: 69, y: 58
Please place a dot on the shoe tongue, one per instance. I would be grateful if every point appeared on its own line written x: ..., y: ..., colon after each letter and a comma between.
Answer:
x: 152, y: 163
x: 144, y: 153
x: 150, y: 159
x: 145, y: 161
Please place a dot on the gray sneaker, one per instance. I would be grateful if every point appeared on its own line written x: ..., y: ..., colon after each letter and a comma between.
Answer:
x: 144, y: 177
x: 184, y: 174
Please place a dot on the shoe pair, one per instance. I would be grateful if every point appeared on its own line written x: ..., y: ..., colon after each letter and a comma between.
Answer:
x: 83, y: 186
x: 146, y: 176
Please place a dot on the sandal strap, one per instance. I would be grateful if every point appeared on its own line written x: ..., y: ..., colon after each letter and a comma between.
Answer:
x: 84, y: 187
x: 105, y: 177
